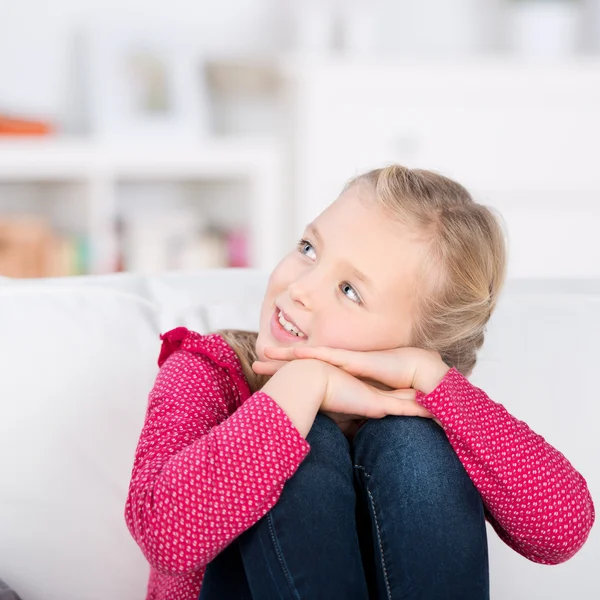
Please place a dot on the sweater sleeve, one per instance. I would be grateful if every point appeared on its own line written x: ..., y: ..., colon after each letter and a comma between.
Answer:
x: 534, y: 498
x: 202, y: 476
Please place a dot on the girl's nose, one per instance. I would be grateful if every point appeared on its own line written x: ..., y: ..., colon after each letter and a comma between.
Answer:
x: 300, y: 293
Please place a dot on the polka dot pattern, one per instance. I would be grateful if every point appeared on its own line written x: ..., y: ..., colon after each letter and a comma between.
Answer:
x: 535, y: 500
x: 210, y: 462
x: 213, y: 459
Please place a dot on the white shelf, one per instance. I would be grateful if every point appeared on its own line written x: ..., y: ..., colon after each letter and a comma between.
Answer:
x: 102, y: 166
x: 77, y: 159
x: 485, y: 67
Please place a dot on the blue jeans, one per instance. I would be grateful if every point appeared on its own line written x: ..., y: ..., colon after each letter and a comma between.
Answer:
x: 392, y: 514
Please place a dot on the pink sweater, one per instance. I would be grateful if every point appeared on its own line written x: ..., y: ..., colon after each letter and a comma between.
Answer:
x: 213, y: 459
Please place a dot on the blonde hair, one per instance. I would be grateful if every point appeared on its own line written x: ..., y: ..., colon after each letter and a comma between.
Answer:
x: 463, y: 273
x: 244, y: 345
x: 466, y: 264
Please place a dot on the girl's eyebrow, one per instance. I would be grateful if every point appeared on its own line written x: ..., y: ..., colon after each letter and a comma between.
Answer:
x: 358, y: 274
x: 310, y: 227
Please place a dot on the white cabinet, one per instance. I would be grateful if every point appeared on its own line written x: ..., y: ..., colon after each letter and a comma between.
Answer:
x: 524, y: 139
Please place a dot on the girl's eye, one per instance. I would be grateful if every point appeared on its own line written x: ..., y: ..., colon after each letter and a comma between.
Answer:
x: 304, y: 247
x: 350, y: 292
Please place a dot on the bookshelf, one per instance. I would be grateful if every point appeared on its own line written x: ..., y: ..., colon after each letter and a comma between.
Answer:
x: 243, y: 176
x: 523, y: 137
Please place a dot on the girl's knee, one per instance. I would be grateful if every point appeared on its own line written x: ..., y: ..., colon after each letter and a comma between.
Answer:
x: 326, y: 475
x: 410, y: 434
x: 414, y: 450
x: 326, y: 436
x: 329, y: 448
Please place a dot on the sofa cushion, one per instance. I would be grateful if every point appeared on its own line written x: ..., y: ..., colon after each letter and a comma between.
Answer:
x: 79, y: 356
x: 77, y: 365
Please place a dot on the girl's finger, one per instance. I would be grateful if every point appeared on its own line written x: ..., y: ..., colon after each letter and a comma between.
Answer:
x: 403, y: 403
x: 378, y: 366
x: 359, y: 364
x: 395, y: 405
x: 334, y: 356
x: 286, y: 353
x: 344, y: 359
x: 267, y: 368
x: 403, y: 394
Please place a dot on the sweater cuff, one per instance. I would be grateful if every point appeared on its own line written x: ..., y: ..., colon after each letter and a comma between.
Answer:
x: 438, y: 401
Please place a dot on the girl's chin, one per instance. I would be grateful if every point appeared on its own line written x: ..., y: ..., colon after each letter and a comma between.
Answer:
x: 263, y: 341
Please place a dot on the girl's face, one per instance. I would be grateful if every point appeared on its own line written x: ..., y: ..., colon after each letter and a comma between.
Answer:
x: 350, y: 283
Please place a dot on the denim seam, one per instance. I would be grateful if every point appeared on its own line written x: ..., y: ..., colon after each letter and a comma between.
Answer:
x: 280, y: 556
x: 372, y: 500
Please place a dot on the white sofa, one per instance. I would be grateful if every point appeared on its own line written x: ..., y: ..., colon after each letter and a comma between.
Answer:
x: 78, y: 357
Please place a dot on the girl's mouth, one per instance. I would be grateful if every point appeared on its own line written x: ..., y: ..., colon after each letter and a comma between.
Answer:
x: 283, y: 330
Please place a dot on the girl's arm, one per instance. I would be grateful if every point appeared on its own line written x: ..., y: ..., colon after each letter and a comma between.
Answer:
x: 202, y: 476
x: 535, y: 500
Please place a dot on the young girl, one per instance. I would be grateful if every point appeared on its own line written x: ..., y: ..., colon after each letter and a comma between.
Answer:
x: 341, y: 452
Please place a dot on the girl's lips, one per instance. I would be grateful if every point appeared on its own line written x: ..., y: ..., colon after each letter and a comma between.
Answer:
x: 279, y: 333
x: 289, y: 320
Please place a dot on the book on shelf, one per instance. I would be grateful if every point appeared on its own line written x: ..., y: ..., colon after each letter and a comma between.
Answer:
x: 174, y: 240
x: 29, y: 247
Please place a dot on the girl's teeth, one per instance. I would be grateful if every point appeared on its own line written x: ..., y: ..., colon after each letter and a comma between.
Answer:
x: 288, y: 326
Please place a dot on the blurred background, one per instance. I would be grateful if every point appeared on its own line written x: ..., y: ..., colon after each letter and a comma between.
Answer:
x: 151, y: 136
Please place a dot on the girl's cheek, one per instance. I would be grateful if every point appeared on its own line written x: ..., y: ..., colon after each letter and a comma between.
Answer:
x: 283, y: 274
x: 275, y: 278
x: 332, y: 333
x: 349, y: 335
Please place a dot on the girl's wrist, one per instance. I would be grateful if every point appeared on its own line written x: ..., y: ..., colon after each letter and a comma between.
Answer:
x: 430, y: 373
x: 299, y: 388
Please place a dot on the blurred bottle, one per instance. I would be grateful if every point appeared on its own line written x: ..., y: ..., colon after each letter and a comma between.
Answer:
x: 358, y: 24
x: 315, y: 26
x: 207, y: 251
x: 237, y: 248
x: 591, y: 26
x: 543, y: 29
x: 434, y: 27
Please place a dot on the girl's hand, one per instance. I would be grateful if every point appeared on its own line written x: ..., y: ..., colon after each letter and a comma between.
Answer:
x: 398, y: 368
x: 346, y: 399
x: 346, y: 393
x: 355, y: 399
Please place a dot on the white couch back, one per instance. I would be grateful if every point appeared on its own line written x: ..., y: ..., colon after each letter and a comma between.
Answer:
x: 78, y: 358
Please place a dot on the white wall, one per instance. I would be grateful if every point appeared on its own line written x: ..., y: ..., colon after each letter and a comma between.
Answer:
x: 35, y: 34
x: 35, y: 38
